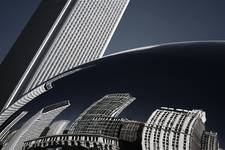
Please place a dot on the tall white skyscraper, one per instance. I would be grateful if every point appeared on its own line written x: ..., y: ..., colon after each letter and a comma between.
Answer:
x: 61, y: 35
x: 77, y: 33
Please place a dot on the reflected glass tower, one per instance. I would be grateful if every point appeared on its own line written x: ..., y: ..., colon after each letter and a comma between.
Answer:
x: 58, y: 127
x: 35, y: 125
x: 99, y: 127
x: 6, y: 129
x: 109, y: 106
x: 209, y: 141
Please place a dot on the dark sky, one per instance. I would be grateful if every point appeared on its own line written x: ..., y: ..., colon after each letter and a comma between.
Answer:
x: 149, y: 22
x: 145, y: 22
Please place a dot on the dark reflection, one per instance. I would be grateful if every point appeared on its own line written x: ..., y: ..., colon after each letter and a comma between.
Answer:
x: 187, y: 76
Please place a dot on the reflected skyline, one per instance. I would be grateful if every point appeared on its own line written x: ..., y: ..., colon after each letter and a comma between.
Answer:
x: 185, y: 76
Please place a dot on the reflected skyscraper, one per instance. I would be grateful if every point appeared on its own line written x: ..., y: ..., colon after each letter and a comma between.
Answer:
x: 109, y: 106
x: 58, y: 127
x: 35, y: 125
x: 99, y: 127
x: 209, y: 141
x: 5, y: 130
x: 170, y: 129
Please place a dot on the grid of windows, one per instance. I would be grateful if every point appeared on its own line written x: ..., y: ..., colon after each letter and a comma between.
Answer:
x: 209, y: 141
x: 6, y: 130
x: 80, y: 34
x: 9, y: 111
x: 130, y: 131
x: 58, y: 127
x: 109, y: 106
x: 85, y: 141
x: 93, y: 125
x: 170, y: 129
x: 33, y: 127
x: 82, y: 38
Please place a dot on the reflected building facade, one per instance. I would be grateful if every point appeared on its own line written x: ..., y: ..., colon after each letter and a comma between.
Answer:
x: 209, y: 141
x: 99, y: 127
x: 174, y: 129
x: 6, y: 130
x: 58, y: 127
x: 109, y: 106
x: 35, y: 125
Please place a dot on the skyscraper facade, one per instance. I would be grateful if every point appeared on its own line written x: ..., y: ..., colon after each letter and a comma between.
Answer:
x: 57, y: 127
x: 35, y: 125
x: 7, y: 138
x: 99, y: 127
x: 174, y: 129
x: 109, y: 106
x: 101, y: 119
x: 61, y: 35
x: 209, y: 141
x: 131, y: 131
x: 5, y: 131
x: 12, y: 109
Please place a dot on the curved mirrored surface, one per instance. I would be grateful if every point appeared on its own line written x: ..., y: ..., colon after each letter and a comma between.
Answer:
x: 186, y: 76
